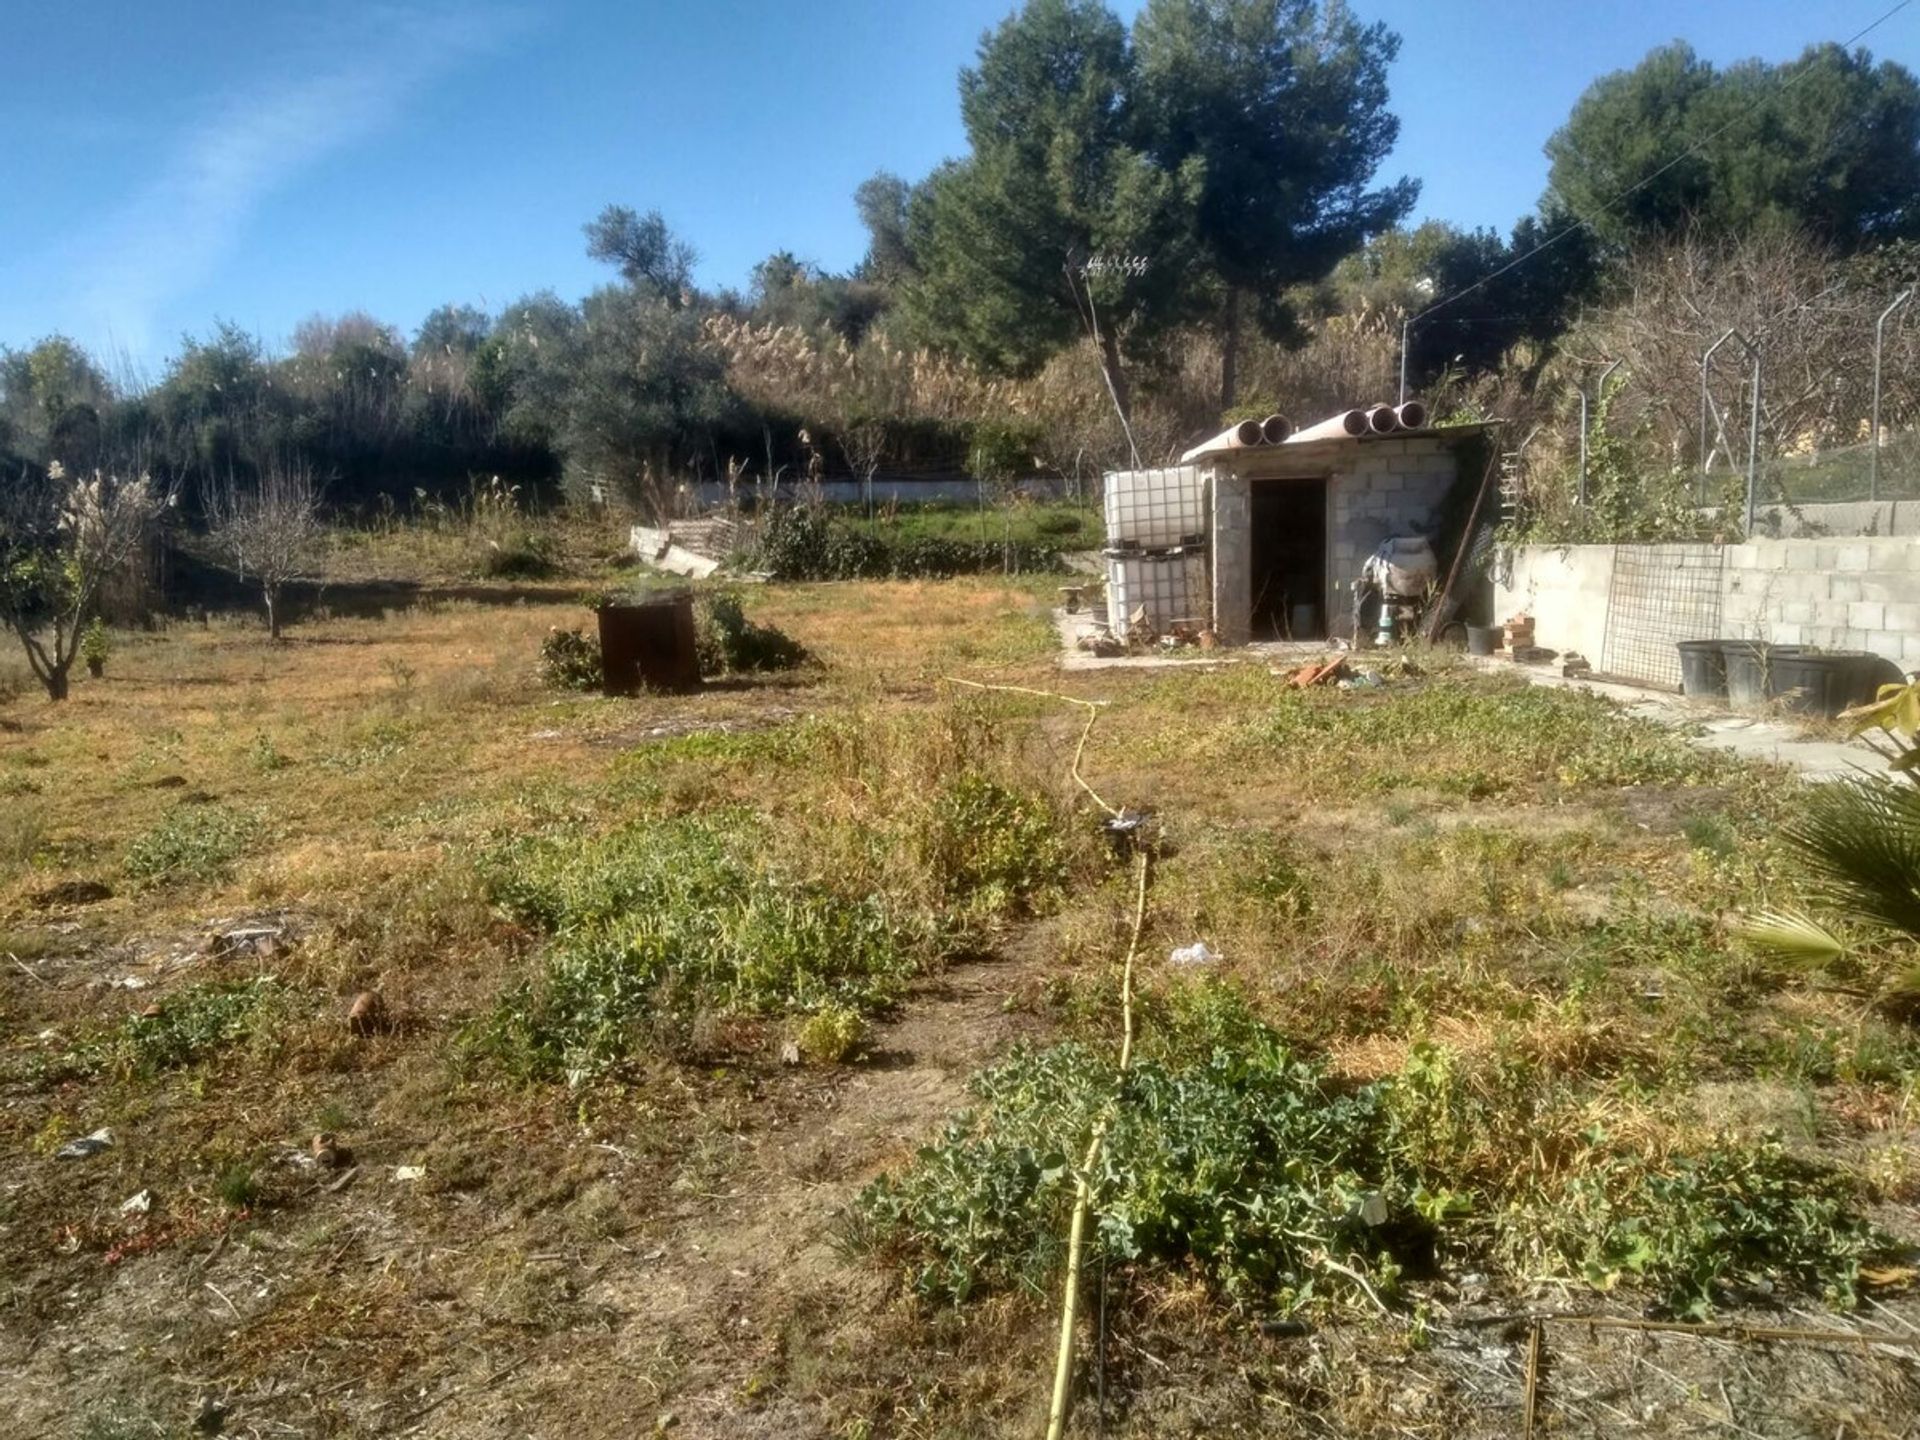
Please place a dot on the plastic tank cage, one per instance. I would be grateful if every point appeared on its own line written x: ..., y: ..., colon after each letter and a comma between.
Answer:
x: 1171, y: 588
x: 1155, y: 509
x: 1660, y: 594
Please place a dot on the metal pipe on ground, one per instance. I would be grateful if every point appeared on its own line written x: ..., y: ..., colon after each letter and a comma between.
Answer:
x: 1336, y: 427
x: 1275, y: 429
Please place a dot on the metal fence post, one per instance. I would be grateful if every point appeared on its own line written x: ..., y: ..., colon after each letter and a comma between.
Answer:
x: 1873, y: 433
x: 1753, y: 421
x: 1406, y: 327
x: 1753, y: 439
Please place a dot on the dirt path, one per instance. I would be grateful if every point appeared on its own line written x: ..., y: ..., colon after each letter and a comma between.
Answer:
x: 702, y: 1317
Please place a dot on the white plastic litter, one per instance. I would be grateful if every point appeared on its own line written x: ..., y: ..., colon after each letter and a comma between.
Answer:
x: 1197, y: 953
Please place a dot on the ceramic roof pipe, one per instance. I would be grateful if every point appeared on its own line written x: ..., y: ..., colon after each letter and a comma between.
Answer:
x: 1412, y: 415
x: 1275, y: 429
x: 1381, y: 420
x: 1338, y: 427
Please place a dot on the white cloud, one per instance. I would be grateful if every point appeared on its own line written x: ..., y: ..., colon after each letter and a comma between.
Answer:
x: 172, y: 235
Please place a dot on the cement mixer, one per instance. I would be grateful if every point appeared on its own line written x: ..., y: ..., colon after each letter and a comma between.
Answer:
x: 1392, y: 589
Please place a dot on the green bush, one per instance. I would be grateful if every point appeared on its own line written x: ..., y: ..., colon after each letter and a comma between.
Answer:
x: 990, y: 846
x: 656, y: 923
x: 188, y: 1026
x: 1228, y: 1157
x: 811, y: 543
x: 194, y: 842
x: 524, y: 555
x: 730, y: 643
x: 570, y: 660
x: 832, y: 1035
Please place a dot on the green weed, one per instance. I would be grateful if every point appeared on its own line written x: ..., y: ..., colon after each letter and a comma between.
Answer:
x: 1466, y: 738
x: 656, y: 923
x: 187, y: 1027
x: 193, y: 842
x: 1226, y: 1155
x: 729, y: 643
x: 832, y: 1035
x: 989, y: 846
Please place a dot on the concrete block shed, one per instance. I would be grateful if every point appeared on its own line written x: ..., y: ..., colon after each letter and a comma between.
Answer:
x: 1286, y: 527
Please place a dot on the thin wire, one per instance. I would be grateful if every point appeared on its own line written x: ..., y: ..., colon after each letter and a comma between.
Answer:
x: 1083, y: 1183
x: 1092, y: 707
x: 1580, y: 222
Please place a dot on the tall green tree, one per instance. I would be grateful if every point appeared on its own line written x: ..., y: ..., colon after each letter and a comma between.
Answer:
x: 1282, y: 106
x: 1056, y: 195
x: 52, y: 401
x: 1828, y: 143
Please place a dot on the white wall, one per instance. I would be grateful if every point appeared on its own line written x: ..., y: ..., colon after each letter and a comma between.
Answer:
x: 1858, y: 594
x: 1564, y: 589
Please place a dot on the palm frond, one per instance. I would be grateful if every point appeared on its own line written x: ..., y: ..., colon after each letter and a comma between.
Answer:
x: 1859, y: 842
x: 1793, y: 935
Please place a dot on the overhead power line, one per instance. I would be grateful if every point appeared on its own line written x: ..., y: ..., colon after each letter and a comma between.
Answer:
x: 1580, y: 222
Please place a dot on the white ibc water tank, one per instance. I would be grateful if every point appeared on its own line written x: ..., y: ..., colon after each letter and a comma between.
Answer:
x: 1155, y: 509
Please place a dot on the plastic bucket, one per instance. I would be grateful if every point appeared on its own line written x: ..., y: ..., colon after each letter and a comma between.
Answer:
x: 1750, y: 665
x: 1827, y: 682
x: 1483, y: 639
x: 1703, y: 669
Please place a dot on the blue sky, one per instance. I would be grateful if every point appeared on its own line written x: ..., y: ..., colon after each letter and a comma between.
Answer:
x: 174, y: 161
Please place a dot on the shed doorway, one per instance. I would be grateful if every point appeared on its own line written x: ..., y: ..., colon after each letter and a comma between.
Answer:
x: 1287, y: 555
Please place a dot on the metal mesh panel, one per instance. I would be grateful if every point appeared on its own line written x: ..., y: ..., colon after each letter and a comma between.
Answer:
x: 1155, y: 509
x: 1660, y: 594
x: 1171, y: 587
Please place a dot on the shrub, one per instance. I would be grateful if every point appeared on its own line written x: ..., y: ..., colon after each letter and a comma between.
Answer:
x: 194, y: 842
x: 991, y: 846
x: 521, y: 555
x: 728, y: 642
x: 189, y: 1026
x: 570, y: 660
x: 810, y: 543
x: 1227, y: 1156
x: 655, y: 924
x: 832, y: 1035
x: 95, y: 644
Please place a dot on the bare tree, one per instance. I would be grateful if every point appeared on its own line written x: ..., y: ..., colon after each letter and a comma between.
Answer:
x: 268, y: 530
x: 61, y: 538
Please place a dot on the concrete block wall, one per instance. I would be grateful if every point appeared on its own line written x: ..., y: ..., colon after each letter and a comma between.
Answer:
x: 1392, y: 488
x: 1837, y: 594
x: 1375, y: 488
x: 1232, y: 562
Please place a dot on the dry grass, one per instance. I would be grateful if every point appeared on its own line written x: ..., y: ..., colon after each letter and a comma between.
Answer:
x: 658, y: 1249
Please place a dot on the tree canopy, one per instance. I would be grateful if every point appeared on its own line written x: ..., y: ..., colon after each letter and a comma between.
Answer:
x: 1828, y: 143
x: 1281, y: 107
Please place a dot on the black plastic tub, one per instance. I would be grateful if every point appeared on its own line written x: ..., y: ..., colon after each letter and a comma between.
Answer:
x: 1703, y: 669
x: 1750, y: 666
x: 1827, y: 682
